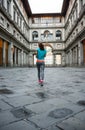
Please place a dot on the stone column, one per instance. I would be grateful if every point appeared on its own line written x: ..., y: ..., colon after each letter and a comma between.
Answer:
x: 79, y: 7
x: 39, y: 36
x: 11, y: 9
x: 80, y: 53
x: 4, y: 53
x: 30, y: 59
x: 70, y: 57
x: 22, y: 58
x: 54, y: 35
x: 54, y: 59
x: 63, y: 59
x: 15, y: 57
x: 18, y: 57
x: 27, y: 59
x: 10, y: 54
x: 76, y: 50
x: 66, y: 58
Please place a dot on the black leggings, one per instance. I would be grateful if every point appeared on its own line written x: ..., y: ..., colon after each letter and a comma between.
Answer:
x: 40, y: 68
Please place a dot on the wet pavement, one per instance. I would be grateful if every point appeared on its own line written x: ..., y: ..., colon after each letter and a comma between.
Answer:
x: 58, y: 105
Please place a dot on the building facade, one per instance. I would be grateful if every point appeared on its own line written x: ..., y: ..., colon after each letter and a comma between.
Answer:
x: 14, y: 34
x: 75, y: 33
x: 20, y: 33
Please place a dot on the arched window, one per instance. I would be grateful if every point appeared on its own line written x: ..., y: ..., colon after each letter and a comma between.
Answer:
x: 58, y: 35
x: 46, y: 36
x: 46, y: 33
x: 35, y: 35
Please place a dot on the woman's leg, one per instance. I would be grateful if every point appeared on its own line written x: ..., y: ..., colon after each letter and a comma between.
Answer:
x: 42, y: 66
x: 38, y: 68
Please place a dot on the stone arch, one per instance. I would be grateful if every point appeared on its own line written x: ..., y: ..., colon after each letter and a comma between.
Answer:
x: 58, y: 35
x: 49, y: 56
x: 46, y: 33
x: 35, y: 35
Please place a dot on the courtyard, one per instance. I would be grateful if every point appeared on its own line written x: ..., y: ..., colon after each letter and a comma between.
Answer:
x: 58, y: 105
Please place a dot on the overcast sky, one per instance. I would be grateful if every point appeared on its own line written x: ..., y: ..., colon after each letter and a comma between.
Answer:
x: 45, y: 6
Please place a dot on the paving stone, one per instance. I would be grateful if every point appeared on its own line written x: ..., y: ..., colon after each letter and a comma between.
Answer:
x: 72, y: 124
x: 1, y: 97
x: 22, y: 100
x: 81, y: 116
x: 42, y: 120
x: 53, y: 127
x: 79, y: 96
x: 48, y: 106
x: 20, y: 125
x: 4, y: 106
x: 22, y: 112
x: 60, y: 113
x: 6, y: 117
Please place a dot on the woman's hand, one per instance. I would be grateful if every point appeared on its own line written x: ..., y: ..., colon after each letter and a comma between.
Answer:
x: 47, y: 44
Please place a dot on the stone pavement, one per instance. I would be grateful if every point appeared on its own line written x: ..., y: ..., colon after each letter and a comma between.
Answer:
x: 58, y: 105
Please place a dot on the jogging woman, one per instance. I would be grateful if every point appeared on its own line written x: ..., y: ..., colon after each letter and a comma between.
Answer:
x: 41, y: 54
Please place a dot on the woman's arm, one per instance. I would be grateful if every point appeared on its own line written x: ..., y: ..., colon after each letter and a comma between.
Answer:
x: 47, y: 44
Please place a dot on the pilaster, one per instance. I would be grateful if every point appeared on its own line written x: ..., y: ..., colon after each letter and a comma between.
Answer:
x: 11, y: 9
x: 4, y: 53
x: 22, y: 58
x: 10, y: 54
x: 80, y: 52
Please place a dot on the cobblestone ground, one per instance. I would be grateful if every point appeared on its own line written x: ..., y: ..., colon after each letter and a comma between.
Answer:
x: 58, y: 105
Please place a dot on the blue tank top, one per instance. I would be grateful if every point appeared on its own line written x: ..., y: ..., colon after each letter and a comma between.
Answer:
x: 41, y: 54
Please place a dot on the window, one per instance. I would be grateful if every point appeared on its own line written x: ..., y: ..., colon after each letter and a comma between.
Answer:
x: 35, y: 20
x: 76, y: 8
x: 20, y: 22
x: 20, y: 38
x: 2, y: 2
x: 81, y: 4
x: 23, y: 27
x: 35, y: 35
x: 8, y: 26
x: 17, y: 35
x: 57, y: 20
x: 47, y: 20
x: 58, y: 35
x: 14, y: 32
x: 2, y: 20
x: 14, y: 14
x: 8, y: 6
x: 17, y: 18
x: 46, y: 33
